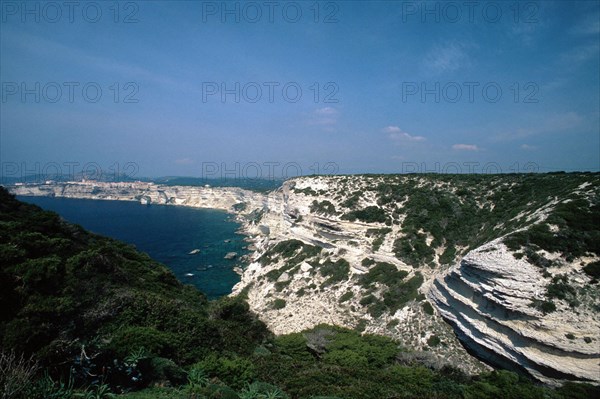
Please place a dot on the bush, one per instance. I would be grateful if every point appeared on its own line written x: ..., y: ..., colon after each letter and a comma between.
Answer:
x: 262, y: 390
x: 234, y: 371
x: 413, y: 249
x: 548, y: 307
x: 384, y: 273
x: 325, y: 207
x: 400, y: 294
x: 434, y: 340
x: 279, y: 304
x: 593, y: 270
x: 346, y: 296
x: 161, y: 370
x: 336, y: 271
x: 131, y: 339
x: 370, y: 214
x: 427, y: 308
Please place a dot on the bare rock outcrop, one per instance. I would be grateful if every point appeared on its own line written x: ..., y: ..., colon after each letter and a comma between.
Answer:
x: 488, y: 297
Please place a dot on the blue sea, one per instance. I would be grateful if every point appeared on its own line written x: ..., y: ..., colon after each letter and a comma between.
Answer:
x: 167, y: 233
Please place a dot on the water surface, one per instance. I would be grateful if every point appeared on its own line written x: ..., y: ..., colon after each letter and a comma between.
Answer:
x: 167, y: 233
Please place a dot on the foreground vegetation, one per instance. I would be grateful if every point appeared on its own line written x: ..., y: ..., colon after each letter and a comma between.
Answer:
x: 86, y: 316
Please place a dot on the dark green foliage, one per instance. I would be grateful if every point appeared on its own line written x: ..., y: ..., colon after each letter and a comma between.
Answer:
x: 572, y: 390
x: 285, y: 249
x: 593, y: 270
x: 131, y: 339
x: 559, y: 288
x: 294, y: 251
x: 469, y: 210
x: 335, y: 271
x: 578, y: 232
x: 448, y: 255
x: 399, y: 294
x: 63, y: 288
x: 427, y: 308
x: 413, y: 249
x: 367, y: 262
x: 306, y: 191
x: 234, y: 371
x: 379, y: 235
x: 503, y: 384
x: 346, y: 296
x: 370, y: 214
x: 163, y: 370
x: 352, y: 200
x: 239, y: 207
x: 367, y: 300
x: 434, y: 340
x: 325, y: 207
x: 396, y: 293
x: 546, y: 306
x: 384, y: 273
x: 279, y: 304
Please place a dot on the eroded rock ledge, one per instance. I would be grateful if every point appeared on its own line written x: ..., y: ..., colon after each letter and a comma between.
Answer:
x: 487, y: 299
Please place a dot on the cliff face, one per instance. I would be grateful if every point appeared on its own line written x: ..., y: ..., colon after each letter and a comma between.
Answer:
x: 502, y: 303
x: 224, y: 198
x: 487, y: 299
x: 506, y: 261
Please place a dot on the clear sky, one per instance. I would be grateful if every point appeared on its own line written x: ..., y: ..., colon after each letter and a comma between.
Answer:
x: 193, y: 88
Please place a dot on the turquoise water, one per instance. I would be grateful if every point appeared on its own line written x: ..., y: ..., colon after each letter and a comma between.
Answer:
x: 166, y: 233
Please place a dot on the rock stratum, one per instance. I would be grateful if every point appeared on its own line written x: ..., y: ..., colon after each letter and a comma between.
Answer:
x: 223, y: 198
x: 474, y: 270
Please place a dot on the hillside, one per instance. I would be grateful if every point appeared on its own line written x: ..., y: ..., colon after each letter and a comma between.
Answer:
x: 85, y: 316
x: 504, y: 266
x: 510, y: 261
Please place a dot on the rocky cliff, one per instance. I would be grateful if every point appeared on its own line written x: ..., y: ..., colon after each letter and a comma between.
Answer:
x: 224, y: 198
x: 373, y: 252
x: 501, y: 267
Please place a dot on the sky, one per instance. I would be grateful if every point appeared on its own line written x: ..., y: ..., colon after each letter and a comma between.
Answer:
x: 274, y: 88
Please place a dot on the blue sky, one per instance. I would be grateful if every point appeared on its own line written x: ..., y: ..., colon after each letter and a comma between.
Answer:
x: 402, y: 86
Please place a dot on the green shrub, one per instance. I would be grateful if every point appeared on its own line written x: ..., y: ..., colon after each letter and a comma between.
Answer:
x: 325, y: 207
x: 336, y: 271
x: 413, y: 249
x: 434, y: 340
x: 593, y: 270
x: 262, y: 390
x: 369, y: 299
x: 278, y: 304
x: 161, y: 370
x: 370, y: 214
x: 400, y: 294
x: 131, y: 339
x: 384, y: 273
x: 548, y: 307
x: 367, y: 262
x: 234, y: 371
x: 346, y: 296
x: 427, y: 308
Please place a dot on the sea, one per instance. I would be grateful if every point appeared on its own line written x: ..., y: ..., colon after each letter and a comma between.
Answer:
x: 165, y: 232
